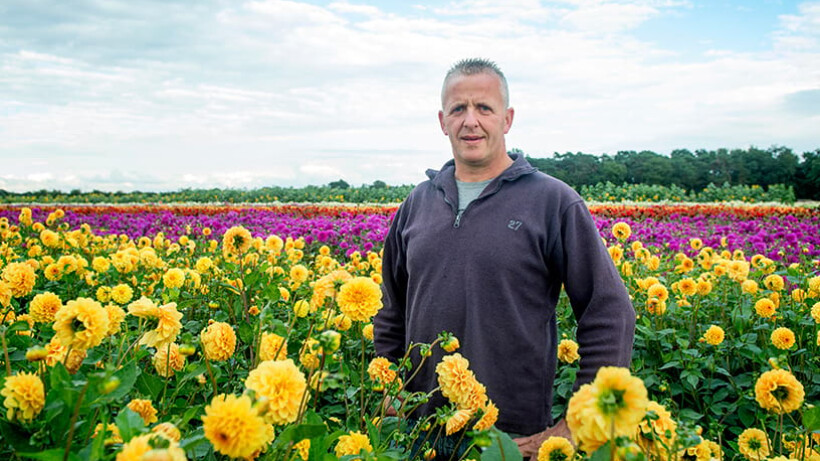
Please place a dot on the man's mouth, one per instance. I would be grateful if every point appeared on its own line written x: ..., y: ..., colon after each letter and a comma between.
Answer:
x: 472, y: 138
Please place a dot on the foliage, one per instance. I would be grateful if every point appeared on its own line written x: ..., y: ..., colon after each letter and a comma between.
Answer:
x: 288, y: 287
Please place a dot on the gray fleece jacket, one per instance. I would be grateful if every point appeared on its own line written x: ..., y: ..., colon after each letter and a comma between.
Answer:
x: 492, y: 278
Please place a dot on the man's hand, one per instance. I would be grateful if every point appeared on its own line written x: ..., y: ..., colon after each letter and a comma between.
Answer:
x: 387, y: 403
x: 529, y: 445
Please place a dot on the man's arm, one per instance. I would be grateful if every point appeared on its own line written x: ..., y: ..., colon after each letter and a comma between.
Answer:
x: 599, y: 299
x: 600, y: 302
x: 388, y: 324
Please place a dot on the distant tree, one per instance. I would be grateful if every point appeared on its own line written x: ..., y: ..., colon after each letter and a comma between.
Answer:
x: 340, y: 184
x: 807, y: 176
x: 378, y: 184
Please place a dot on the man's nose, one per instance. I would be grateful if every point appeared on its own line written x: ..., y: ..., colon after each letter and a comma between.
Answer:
x: 470, y: 118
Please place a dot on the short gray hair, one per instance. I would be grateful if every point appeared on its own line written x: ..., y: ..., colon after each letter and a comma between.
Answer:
x: 473, y: 66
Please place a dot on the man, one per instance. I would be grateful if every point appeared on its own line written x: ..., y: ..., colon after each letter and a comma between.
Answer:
x: 482, y: 250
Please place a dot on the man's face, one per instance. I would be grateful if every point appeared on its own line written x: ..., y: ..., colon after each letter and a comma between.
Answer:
x: 475, y: 120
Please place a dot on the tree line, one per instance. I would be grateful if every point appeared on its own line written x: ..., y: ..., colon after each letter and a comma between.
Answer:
x: 690, y: 170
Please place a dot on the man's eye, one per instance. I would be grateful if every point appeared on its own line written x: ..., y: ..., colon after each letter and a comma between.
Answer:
x: 485, y: 108
x: 457, y: 109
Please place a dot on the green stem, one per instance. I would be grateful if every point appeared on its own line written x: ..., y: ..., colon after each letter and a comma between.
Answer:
x: 73, y: 423
x: 6, y: 352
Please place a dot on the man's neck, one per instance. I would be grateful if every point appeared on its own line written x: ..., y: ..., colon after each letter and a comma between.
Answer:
x: 469, y: 173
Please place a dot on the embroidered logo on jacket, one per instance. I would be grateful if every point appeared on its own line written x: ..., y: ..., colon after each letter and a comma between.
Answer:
x: 514, y: 225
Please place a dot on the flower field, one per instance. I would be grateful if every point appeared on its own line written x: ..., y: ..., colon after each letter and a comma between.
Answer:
x: 217, y: 332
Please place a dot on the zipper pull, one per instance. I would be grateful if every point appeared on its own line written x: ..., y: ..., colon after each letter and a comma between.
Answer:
x: 458, y: 220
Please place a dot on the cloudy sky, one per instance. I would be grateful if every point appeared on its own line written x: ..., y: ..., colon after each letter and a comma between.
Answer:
x: 168, y: 94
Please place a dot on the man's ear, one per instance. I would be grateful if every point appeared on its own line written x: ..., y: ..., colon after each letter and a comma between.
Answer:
x: 508, y: 119
x: 441, y: 122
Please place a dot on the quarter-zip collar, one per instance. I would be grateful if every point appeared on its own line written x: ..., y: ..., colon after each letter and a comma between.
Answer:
x: 445, y: 179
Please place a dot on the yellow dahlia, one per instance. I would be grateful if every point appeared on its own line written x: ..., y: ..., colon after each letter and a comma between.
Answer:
x: 49, y: 238
x: 174, y: 278
x: 714, y: 335
x: 457, y: 421
x: 121, y: 293
x: 111, y: 430
x: 218, y: 341
x: 749, y: 286
x: 774, y: 282
x: 273, y: 347
x: 451, y: 344
x: 455, y: 378
x: 115, y: 317
x: 815, y: 312
x: 658, y: 291
x: 44, y: 307
x: 753, y: 444
x: 165, y: 319
x: 621, y: 230
x: 704, y: 287
x: 657, y: 435
x: 687, y: 286
x: 100, y: 264
x: 309, y: 357
x: 779, y: 391
x: 783, y: 338
x: 5, y: 294
x: 24, y: 396
x: 283, y: 385
x: 615, y: 400
x: 379, y: 370
x: 203, y: 264
x: 367, y: 331
x: 302, y: 449
x: 301, y: 308
x: 298, y: 273
x: 145, y: 409
x: 147, y: 447
x: 236, y: 240
x: 765, y: 307
x: 568, y: 351
x: 170, y: 431
x: 360, y: 298
x: 20, y: 278
x: 81, y: 323
x: 274, y: 244
x: 555, y: 449
x: 166, y: 363
x: 489, y: 417
x: 352, y: 444
x: 234, y: 429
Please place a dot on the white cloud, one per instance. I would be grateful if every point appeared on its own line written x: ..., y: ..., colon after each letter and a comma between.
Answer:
x: 292, y: 93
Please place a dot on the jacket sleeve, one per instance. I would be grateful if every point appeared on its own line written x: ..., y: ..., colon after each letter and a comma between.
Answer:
x: 388, y: 324
x: 599, y: 299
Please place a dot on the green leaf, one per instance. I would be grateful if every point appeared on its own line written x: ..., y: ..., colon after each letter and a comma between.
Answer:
x: 18, y: 438
x: 301, y: 432
x: 197, y: 443
x: 128, y: 376
x: 55, y: 454
x: 190, y: 414
x: 22, y: 325
x: 149, y: 385
x: 246, y: 333
x: 502, y: 449
x: 197, y: 438
x: 129, y: 423
x: 603, y: 453
x: 811, y: 419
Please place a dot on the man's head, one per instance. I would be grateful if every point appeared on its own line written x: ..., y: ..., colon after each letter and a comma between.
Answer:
x: 475, y: 116
x: 472, y: 66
